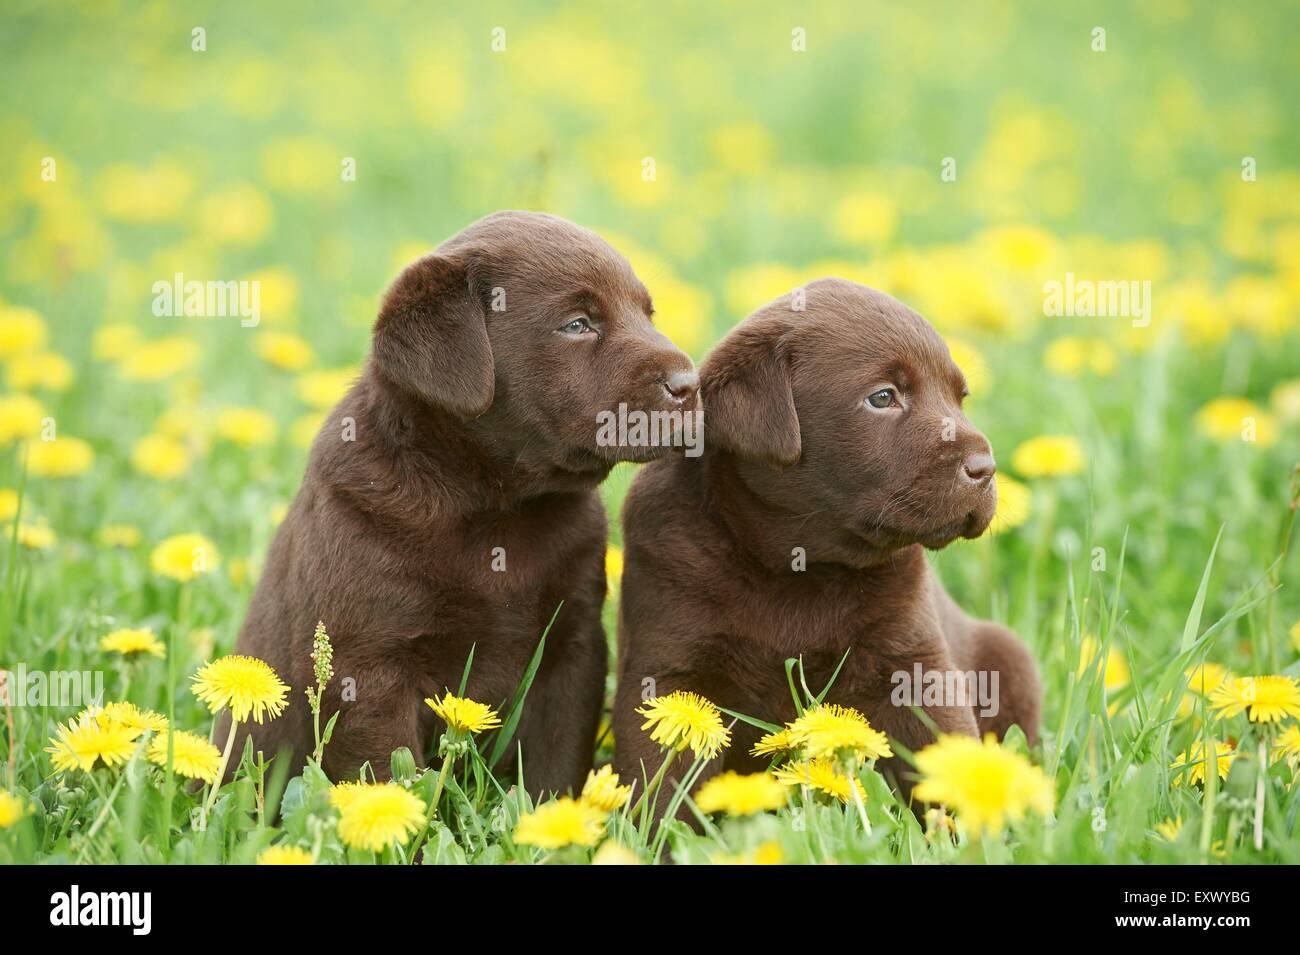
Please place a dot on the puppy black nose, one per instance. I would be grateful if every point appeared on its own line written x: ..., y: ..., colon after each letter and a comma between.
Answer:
x: 979, y: 468
x: 682, y: 385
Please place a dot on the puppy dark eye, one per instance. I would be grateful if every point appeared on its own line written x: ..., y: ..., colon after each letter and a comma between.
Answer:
x: 882, y: 398
x: 577, y: 326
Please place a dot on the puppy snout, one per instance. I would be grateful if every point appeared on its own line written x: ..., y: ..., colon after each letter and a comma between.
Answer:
x: 682, y: 386
x: 979, y: 468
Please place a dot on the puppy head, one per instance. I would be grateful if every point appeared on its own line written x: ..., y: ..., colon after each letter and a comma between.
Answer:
x: 525, y: 328
x: 849, y: 413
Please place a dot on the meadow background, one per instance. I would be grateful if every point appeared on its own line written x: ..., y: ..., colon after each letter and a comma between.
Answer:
x: 771, y: 166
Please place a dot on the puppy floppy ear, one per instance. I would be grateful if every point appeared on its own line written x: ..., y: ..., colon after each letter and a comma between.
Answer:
x: 431, y: 338
x: 748, y: 406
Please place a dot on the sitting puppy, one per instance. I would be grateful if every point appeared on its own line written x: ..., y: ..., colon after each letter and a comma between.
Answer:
x: 449, y: 501
x: 835, y: 451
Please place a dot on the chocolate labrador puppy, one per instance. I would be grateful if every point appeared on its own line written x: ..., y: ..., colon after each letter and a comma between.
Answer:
x: 835, y: 452
x: 449, y: 501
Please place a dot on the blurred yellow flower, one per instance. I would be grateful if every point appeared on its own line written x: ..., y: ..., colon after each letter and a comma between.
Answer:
x: 1287, y: 746
x: 8, y: 503
x: 743, y: 148
x: 284, y: 350
x: 1049, y: 455
x: 132, y: 642
x: 681, y: 312
x: 323, y: 389
x: 12, y: 809
x: 613, y: 565
x: 284, y: 855
x: 562, y: 822
x: 44, y: 370
x: 373, y: 816
x: 986, y: 784
x: 119, y: 535
x: 159, y: 359
x: 1014, y: 505
x: 1285, y: 399
x: 277, y: 293
x: 755, y: 285
x: 1170, y: 829
x: 864, y: 217
x: 1021, y: 248
x: 249, y: 427
x: 972, y: 364
x: 247, y: 685
x: 1072, y: 355
x: 35, y: 536
x: 20, y: 417
x: 161, y: 457
x: 238, y: 214
x: 60, y: 458
x: 299, y: 164
x: 1115, y: 672
x: 183, y: 557
x: 1190, y: 765
x: 1237, y: 419
x: 681, y: 719
x: 155, y: 193
x: 1201, y: 680
x: 603, y: 791
x: 193, y: 757
x: 22, y: 330
x: 614, y: 853
x: 767, y: 853
x: 1264, y: 699
x: 741, y: 795
x: 114, y: 342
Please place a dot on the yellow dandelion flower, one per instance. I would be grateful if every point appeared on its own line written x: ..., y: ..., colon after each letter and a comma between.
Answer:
x: 246, y: 426
x: 373, y: 816
x: 36, y: 536
x: 87, y: 740
x: 985, y: 784
x: 43, y: 370
x: 119, y: 535
x: 1237, y: 419
x: 184, y: 557
x: 462, y: 715
x: 775, y: 744
x: 1070, y: 356
x: 128, y: 642
x: 681, y: 719
x: 829, y: 729
x: 1285, y: 399
x: 12, y: 809
x: 1117, y: 673
x: 323, y: 389
x: 245, y: 684
x: 192, y: 755
x: 1264, y: 699
x: 60, y: 458
x: 1170, y: 829
x: 737, y: 794
x: 824, y: 776
x: 159, y: 359
x: 603, y: 791
x: 21, y: 416
x: 284, y: 350
x: 131, y: 716
x: 1014, y: 505
x: 1190, y: 765
x: 21, y: 330
x: 768, y: 853
x: 284, y: 855
x: 1201, y: 680
x: 8, y: 504
x: 1049, y: 455
x: 159, y: 456
x: 114, y: 342
x: 614, y: 853
x: 563, y: 822
x: 1287, y: 745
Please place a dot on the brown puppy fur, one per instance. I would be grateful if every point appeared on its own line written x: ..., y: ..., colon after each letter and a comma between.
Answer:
x: 449, y: 501
x: 797, y: 462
